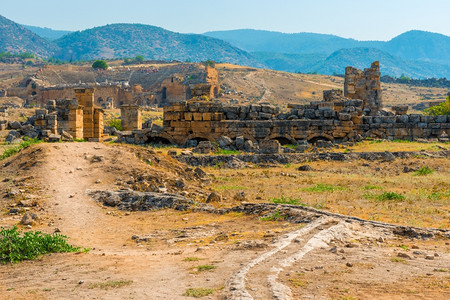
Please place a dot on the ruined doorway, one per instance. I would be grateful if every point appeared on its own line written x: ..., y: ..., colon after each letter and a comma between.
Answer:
x: 164, y: 94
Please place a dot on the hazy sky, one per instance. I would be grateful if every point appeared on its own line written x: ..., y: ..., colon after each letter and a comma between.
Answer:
x: 359, y: 19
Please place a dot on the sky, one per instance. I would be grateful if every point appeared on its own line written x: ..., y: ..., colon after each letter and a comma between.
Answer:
x: 358, y: 19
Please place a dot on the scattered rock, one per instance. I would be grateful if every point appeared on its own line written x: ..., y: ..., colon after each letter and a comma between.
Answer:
x: 305, y: 168
x: 403, y: 255
x: 429, y: 257
x: 29, y: 218
x: 239, y: 196
x: 214, y: 197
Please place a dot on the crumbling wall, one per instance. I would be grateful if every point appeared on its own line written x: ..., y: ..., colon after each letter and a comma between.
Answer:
x: 364, y: 85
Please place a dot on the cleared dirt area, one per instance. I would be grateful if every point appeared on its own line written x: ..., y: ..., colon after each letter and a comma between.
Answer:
x: 162, y: 254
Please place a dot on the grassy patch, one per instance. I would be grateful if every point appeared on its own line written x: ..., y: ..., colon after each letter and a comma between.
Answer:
x: 227, y: 152
x: 110, y: 284
x: 404, y: 247
x: 423, y: 171
x: 298, y: 282
x: 202, y: 268
x: 369, y: 187
x: 231, y: 187
x: 11, y: 151
x: 198, y: 292
x: 285, y: 200
x: 398, y: 260
x: 191, y: 259
x: 322, y: 188
x: 276, y: 216
x: 390, y: 196
x: 15, y: 247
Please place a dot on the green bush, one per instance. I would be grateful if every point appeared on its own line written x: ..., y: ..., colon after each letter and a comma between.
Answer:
x: 424, y: 171
x: 15, y: 247
x: 139, y: 58
x: 116, y: 123
x: 440, y: 109
x: 390, y: 196
x: 100, y: 64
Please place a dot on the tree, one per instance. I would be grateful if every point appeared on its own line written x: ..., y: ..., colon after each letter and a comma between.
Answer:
x: 139, y: 58
x: 440, y: 109
x: 100, y: 64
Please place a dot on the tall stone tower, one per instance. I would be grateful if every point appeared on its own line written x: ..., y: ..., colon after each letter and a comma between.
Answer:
x: 92, y: 116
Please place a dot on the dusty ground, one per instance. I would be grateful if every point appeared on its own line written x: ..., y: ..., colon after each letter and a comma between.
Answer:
x: 325, y: 259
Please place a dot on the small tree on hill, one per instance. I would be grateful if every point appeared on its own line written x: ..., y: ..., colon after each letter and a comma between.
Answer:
x: 139, y: 58
x: 100, y: 64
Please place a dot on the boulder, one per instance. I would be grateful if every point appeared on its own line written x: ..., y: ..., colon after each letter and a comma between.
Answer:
x: 224, y: 142
x: 29, y: 218
x: 214, y: 197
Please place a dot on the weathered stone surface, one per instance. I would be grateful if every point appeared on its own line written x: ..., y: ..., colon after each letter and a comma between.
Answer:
x: 214, y: 197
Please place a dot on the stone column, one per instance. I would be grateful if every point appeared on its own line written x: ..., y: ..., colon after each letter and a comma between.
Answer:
x: 131, y: 118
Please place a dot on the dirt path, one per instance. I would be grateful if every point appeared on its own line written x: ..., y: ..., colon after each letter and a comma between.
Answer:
x: 180, y: 242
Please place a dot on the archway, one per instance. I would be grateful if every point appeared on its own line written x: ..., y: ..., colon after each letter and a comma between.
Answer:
x: 164, y: 93
x: 158, y: 140
x: 283, y: 140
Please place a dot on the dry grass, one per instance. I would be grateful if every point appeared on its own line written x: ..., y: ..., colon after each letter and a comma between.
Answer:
x: 377, y: 190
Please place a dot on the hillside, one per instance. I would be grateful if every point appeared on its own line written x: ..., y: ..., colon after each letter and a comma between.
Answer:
x: 390, y: 65
x: 46, y: 32
x: 414, y: 53
x: 15, y: 38
x: 129, y: 40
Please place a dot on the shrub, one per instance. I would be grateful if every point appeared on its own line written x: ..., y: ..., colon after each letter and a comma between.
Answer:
x: 139, y: 58
x: 424, y: 171
x: 100, y: 64
x: 15, y: 247
x: 276, y: 216
x: 320, y: 188
x: 440, y: 109
x: 206, y: 268
x: 116, y: 123
x: 390, y: 196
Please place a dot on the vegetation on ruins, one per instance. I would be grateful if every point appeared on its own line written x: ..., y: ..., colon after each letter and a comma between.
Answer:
x: 440, y: 109
x: 15, y: 247
x: 116, y: 123
x: 100, y: 64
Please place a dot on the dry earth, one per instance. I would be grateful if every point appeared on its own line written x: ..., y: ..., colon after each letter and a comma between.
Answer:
x: 252, y: 258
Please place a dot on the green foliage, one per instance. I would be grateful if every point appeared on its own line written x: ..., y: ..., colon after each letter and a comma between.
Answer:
x: 26, y: 143
x: 276, y: 216
x: 390, y: 196
x: 440, y: 109
x: 210, y: 63
x: 285, y: 200
x: 202, y: 268
x: 227, y: 152
x: 139, y: 58
x: 231, y: 187
x: 371, y: 187
x: 15, y: 247
x: 191, y: 259
x: 198, y: 292
x: 100, y: 64
x: 116, y: 123
x: 321, y: 188
x: 423, y: 171
x: 404, y: 78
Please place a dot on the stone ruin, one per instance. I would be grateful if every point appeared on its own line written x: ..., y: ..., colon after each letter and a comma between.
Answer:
x: 341, y: 117
x: 77, y: 118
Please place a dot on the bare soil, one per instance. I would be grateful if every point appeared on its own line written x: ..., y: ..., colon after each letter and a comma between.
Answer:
x: 252, y: 258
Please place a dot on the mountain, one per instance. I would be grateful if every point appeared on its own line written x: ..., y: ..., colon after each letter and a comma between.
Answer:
x: 129, y: 40
x: 389, y: 64
x: 46, y: 32
x: 290, y: 62
x: 421, y: 45
x: 15, y: 38
x: 411, y: 45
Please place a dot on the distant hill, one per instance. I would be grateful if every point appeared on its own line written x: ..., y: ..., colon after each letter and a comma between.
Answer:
x: 46, y: 32
x: 421, y: 45
x: 389, y: 64
x: 129, y: 40
x: 290, y: 62
x: 411, y: 45
x: 15, y: 38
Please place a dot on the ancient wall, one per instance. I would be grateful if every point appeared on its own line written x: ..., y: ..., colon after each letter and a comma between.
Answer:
x: 130, y: 116
x: 364, y: 85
